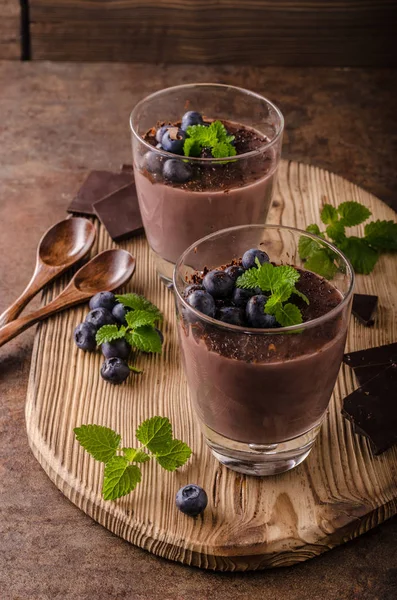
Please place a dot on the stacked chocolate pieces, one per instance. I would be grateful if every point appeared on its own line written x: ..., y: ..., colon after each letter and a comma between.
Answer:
x: 112, y: 198
x: 372, y: 408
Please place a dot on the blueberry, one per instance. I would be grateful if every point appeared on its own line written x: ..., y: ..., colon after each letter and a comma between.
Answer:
x: 234, y: 271
x: 177, y: 171
x: 161, y: 336
x: 119, y: 311
x: 218, y: 283
x: 191, y: 118
x: 160, y: 132
x: 84, y: 336
x: 153, y: 162
x: 191, y: 499
x: 99, y: 317
x: 116, y: 349
x: 103, y: 300
x: 250, y: 256
x: 173, y: 140
x: 115, y: 370
x: 202, y: 301
x: 255, y: 313
x: 232, y: 315
x: 240, y: 297
x: 193, y: 287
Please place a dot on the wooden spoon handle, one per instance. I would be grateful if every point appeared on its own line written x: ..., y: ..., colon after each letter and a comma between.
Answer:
x: 41, y: 276
x: 69, y: 297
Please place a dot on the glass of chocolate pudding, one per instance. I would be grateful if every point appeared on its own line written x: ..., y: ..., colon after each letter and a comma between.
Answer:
x: 185, y: 195
x: 260, y: 390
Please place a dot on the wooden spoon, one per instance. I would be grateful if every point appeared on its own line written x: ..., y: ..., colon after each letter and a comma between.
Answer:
x: 105, y: 272
x: 59, y: 248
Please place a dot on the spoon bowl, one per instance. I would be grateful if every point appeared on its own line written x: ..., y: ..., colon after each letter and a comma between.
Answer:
x: 66, y: 242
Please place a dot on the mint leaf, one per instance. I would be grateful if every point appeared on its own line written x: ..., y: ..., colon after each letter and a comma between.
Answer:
x: 248, y: 280
x: 382, y: 235
x: 268, y: 277
x: 329, y: 214
x: 203, y: 135
x: 307, y: 246
x: 320, y: 262
x: 361, y: 255
x: 336, y: 232
x: 138, y: 318
x: 145, y: 338
x: 137, y: 302
x: 135, y: 369
x: 288, y: 315
x: 301, y: 295
x: 223, y: 150
x: 135, y: 455
x: 155, y: 434
x: 280, y: 295
x: 120, y: 478
x: 214, y: 137
x: 218, y: 129
x: 108, y: 333
x: 101, y: 442
x: 191, y: 147
x: 174, y: 456
x: 353, y: 213
x: 314, y: 229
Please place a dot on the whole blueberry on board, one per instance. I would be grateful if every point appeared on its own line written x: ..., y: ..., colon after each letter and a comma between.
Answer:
x: 173, y: 140
x: 255, y: 314
x: 115, y: 370
x: 249, y: 257
x: 84, y: 336
x: 119, y: 311
x: 191, y: 117
x: 161, y: 131
x: 116, y: 349
x: 103, y: 300
x: 177, y: 171
x: 232, y: 315
x: 218, y: 283
x: 191, y: 499
x: 234, y: 271
x: 203, y: 302
x: 99, y: 317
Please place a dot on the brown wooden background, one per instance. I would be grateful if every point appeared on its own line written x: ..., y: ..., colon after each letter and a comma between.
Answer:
x: 253, y: 32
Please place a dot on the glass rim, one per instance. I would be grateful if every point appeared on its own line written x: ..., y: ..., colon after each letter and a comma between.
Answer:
x: 257, y: 330
x: 197, y: 160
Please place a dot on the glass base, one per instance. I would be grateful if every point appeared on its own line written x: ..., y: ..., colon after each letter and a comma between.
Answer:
x: 261, y: 459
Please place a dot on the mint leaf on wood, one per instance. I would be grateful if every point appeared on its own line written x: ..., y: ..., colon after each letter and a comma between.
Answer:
x: 336, y: 232
x: 320, y: 262
x: 101, y: 442
x: 135, y: 369
x: 145, y: 338
x: 155, y: 434
x: 353, y: 213
x: 109, y: 333
x: 381, y: 235
x: 137, y: 302
x: 307, y: 246
x: 314, y: 229
x: 120, y: 478
x: 138, y: 318
x: 174, y: 456
x: 135, y: 455
x: 329, y: 214
x: 361, y: 255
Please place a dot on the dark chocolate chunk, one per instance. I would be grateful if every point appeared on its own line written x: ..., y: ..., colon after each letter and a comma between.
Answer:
x: 119, y: 213
x: 380, y: 355
x: 97, y: 185
x: 364, y: 307
x: 372, y: 409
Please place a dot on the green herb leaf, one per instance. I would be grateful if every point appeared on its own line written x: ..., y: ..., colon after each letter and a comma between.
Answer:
x: 329, y: 214
x: 214, y: 137
x: 320, y: 262
x: 301, y: 295
x: 138, y: 318
x: 135, y: 369
x: 223, y: 150
x: 288, y: 315
x: 109, y: 333
x: 120, y: 478
x: 175, y: 455
x: 191, y: 147
x: 362, y: 256
x: 353, y: 213
x: 145, y: 338
x: 135, y: 455
x: 314, y: 229
x: 382, y: 235
x: 137, y: 302
x: 307, y: 246
x: 248, y: 280
x: 280, y: 295
x: 155, y: 434
x: 336, y: 232
x: 101, y: 442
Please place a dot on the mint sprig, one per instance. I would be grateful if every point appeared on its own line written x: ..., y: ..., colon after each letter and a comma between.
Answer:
x: 280, y: 282
x: 213, y: 137
x: 363, y: 252
x: 122, y: 473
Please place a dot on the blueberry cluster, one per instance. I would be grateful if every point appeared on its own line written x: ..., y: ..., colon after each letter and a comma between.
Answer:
x: 218, y: 297
x: 171, y: 139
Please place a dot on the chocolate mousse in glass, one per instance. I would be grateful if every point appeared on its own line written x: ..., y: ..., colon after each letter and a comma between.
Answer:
x: 184, y: 200
x: 261, y: 394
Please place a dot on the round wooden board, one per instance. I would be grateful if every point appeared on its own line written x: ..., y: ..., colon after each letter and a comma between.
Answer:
x: 339, y: 492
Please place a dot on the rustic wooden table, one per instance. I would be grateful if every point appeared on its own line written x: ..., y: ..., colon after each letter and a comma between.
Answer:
x: 58, y: 121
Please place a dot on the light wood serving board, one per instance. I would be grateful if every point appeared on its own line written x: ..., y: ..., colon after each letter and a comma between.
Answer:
x: 339, y: 492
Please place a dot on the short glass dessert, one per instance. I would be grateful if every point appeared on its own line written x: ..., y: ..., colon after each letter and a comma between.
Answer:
x: 261, y: 390
x: 185, y: 197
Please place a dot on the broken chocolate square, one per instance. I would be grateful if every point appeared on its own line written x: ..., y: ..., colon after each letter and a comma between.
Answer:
x: 97, y: 185
x: 369, y: 363
x: 364, y: 307
x: 119, y: 213
x: 372, y: 409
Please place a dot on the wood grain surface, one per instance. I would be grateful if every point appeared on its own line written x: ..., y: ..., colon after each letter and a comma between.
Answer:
x: 10, y: 43
x: 253, y: 32
x: 340, y: 492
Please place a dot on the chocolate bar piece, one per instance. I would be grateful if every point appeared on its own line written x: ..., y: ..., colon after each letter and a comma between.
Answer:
x: 364, y: 307
x: 119, y: 213
x: 372, y: 409
x: 98, y: 185
x: 369, y: 363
